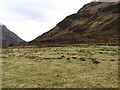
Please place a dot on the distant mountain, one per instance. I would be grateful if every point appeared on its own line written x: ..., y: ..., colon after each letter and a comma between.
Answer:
x: 8, y: 37
x: 96, y: 22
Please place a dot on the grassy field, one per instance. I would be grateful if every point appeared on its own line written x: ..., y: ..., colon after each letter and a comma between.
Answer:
x: 73, y: 66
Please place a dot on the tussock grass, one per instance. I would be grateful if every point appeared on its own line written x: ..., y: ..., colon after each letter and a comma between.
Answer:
x: 79, y: 66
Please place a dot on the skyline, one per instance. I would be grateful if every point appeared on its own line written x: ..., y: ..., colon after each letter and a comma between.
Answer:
x: 31, y: 18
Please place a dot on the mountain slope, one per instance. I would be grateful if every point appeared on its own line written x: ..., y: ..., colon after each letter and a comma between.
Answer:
x: 8, y: 37
x: 96, y: 22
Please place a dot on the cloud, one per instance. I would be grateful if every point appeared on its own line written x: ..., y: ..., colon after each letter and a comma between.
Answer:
x: 29, y: 9
x: 30, y: 18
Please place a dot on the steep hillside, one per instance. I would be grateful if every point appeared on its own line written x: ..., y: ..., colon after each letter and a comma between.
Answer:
x: 8, y: 38
x: 96, y: 22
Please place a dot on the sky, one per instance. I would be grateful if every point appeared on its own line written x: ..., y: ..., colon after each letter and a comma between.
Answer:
x: 31, y: 18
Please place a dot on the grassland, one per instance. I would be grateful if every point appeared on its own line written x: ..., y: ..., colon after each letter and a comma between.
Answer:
x: 73, y: 66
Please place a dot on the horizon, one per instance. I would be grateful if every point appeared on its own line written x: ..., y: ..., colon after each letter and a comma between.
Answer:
x: 35, y: 17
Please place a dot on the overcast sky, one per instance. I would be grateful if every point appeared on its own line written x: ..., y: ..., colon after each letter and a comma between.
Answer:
x: 31, y: 18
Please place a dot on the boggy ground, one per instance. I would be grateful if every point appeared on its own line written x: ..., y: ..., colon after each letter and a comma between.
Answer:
x: 78, y: 66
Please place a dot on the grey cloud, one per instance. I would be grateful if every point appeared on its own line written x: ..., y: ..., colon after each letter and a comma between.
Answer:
x: 28, y: 9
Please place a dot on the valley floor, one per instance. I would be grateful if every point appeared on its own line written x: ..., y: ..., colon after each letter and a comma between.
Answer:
x: 78, y: 66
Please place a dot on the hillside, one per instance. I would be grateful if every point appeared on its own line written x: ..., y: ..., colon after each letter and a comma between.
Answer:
x: 96, y: 22
x: 8, y: 37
